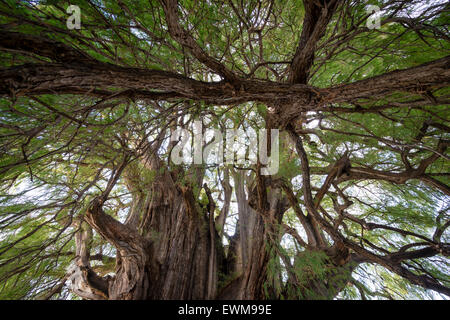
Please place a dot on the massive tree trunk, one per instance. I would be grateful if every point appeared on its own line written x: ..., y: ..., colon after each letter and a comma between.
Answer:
x: 182, y: 253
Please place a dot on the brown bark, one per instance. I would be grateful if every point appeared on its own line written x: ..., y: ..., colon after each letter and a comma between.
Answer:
x: 166, y: 249
x: 181, y: 244
x: 317, y: 17
x: 98, y: 79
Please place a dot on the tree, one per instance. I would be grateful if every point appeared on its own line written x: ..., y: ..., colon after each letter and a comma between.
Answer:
x: 92, y: 206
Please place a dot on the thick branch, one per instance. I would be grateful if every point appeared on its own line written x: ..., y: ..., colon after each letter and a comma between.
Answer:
x: 416, y: 79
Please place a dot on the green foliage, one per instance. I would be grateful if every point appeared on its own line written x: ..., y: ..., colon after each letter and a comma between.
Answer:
x: 58, y: 151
